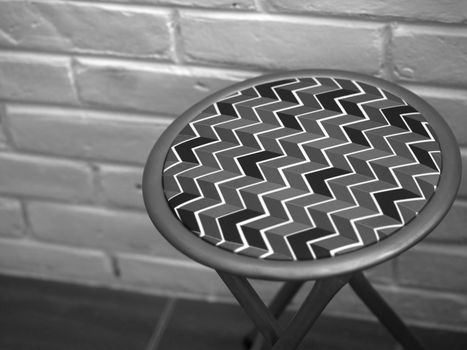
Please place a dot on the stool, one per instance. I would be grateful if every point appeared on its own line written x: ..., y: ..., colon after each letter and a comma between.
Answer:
x: 303, y: 175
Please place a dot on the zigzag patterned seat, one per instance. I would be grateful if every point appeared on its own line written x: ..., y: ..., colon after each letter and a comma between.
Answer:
x: 306, y: 175
x: 303, y: 168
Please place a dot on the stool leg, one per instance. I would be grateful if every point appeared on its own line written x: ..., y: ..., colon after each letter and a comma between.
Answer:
x: 277, y: 306
x: 384, y: 312
x: 258, y: 343
x: 253, y: 306
x: 320, y: 295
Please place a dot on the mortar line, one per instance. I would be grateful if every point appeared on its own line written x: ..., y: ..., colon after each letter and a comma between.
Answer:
x: 140, y: 5
x: 176, y: 38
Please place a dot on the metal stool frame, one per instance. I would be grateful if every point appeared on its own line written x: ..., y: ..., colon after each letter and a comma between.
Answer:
x: 330, y: 274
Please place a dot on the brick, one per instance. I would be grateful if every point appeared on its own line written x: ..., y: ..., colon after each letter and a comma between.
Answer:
x: 417, y: 307
x: 434, y: 267
x: 26, y: 175
x: 463, y: 186
x: 3, y: 139
x: 452, y: 228
x: 84, y: 134
x: 219, y: 4
x: 11, y: 218
x: 431, y: 10
x: 451, y: 105
x: 97, y: 228
x: 121, y: 185
x: 382, y: 273
x: 85, y: 28
x: 282, y: 43
x: 173, y: 277
x: 435, y: 310
x: 181, y: 278
x: 36, y: 78
x: 416, y: 54
x: 32, y: 258
x: 346, y: 303
x: 148, y: 87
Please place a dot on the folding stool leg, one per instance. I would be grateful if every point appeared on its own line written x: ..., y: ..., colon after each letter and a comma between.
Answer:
x: 247, y: 297
x: 384, y: 312
x: 277, y: 306
x: 320, y: 295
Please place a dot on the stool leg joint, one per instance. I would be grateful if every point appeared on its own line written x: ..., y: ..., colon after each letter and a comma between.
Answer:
x: 279, y: 303
x: 320, y: 295
x: 247, y: 297
x: 265, y: 318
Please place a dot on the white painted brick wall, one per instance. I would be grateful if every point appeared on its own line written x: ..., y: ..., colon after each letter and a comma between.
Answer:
x: 36, y: 176
x: 283, y: 42
x: 12, y: 223
x: 83, y: 134
x: 429, y: 10
x: 36, y: 78
x: 87, y: 87
x: 102, y: 228
x: 430, y: 54
x: 121, y: 185
x: 86, y: 28
x: 3, y: 138
x: 452, y: 228
x: 215, y: 4
x: 147, y: 87
x: 434, y: 267
x: 463, y: 186
x: 27, y: 257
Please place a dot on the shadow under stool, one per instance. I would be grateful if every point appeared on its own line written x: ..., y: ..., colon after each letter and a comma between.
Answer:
x: 298, y: 176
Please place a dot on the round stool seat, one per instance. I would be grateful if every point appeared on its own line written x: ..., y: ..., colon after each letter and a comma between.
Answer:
x: 331, y: 170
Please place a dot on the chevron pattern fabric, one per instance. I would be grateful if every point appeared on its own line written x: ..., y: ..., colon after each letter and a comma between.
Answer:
x: 303, y: 168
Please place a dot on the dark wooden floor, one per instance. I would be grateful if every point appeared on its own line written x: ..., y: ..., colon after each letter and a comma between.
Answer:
x: 36, y: 315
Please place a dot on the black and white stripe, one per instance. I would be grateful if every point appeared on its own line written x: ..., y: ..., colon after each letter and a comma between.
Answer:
x: 302, y: 168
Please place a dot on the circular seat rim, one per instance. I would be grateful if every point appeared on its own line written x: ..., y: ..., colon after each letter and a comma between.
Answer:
x: 220, y: 259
